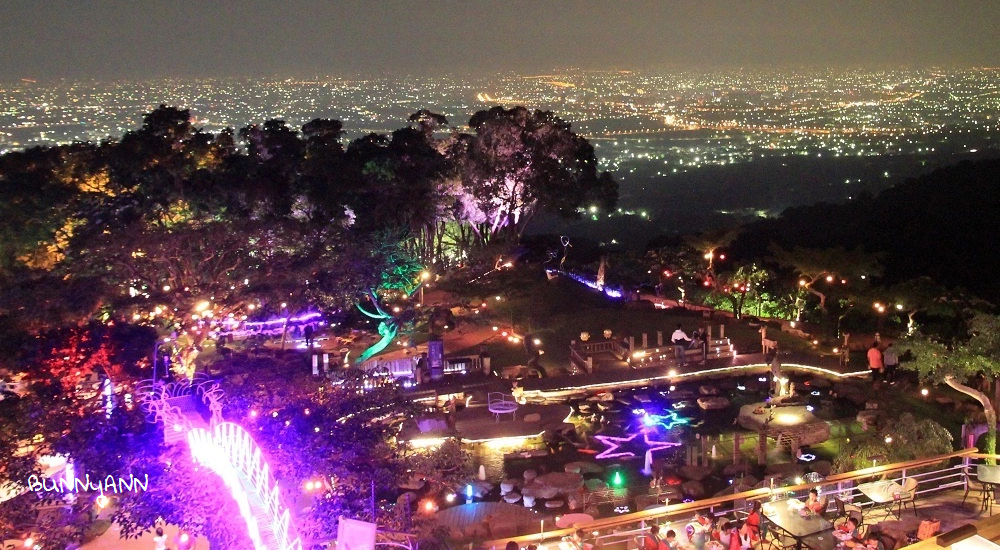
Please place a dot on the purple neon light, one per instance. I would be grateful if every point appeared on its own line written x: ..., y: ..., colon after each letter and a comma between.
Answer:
x: 608, y: 291
x: 614, y: 444
x: 283, y: 320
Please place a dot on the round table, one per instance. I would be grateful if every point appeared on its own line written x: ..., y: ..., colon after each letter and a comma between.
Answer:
x: 568, y: 520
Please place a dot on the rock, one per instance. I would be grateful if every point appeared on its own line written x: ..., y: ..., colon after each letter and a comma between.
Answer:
x: 432, y: 424
x: 480, y: 488
x: 785, y: 469
x: 532, y: 418
x: 821, y: 467
x: 693, y: 489
x: 595, y: 485
x: 507, y: 486
x: 692, y: 472
x: 530, y: 475
x: 592, y: 511
x: 574, y: 502
x: 867, y: 418
x: 529, y: 501
x: 554, y: 504
x: 512, y: 498
x: 736, y: 469
x: 545, y: 491
x: 707, y: 390
x: 580, y: 467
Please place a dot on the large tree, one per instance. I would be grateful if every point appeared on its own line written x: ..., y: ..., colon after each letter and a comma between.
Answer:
x: 521, y: 162
x: 829, y: 266
x: 970, y: 365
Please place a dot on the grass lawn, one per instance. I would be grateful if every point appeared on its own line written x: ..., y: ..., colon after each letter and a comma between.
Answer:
x: 557, y: 311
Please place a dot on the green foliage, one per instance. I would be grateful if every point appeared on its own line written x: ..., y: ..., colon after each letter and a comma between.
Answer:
x: 909, y: 438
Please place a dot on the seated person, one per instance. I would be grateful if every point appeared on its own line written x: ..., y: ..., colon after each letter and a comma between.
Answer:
x: 868, y: 542
x: 814, y: 504
x: 651, y: 540
x: 670, y: 542
x: 698, y: 531
x: 740, y: 537
x: 753, y: 521
x: 850, y: 527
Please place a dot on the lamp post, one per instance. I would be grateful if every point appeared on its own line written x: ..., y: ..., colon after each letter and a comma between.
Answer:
x: 423, y: 280
x: 156, y: 354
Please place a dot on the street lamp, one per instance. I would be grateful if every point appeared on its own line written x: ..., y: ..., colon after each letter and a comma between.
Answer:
x: 156, y: 355
x: 423, y: 280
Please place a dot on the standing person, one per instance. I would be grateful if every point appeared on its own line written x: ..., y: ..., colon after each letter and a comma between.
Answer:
x: 701, y: 338
x: 875, y: 362
x: 160, y: 540
x: 891, y: 360
x: 309, y: 331
x: 680, y: 340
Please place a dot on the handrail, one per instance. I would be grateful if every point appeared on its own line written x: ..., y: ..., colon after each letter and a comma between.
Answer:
x: 753, y: 494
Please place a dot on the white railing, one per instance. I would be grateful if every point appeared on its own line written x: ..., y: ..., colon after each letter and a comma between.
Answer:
x: 939, y: 476
x: 229, y: 447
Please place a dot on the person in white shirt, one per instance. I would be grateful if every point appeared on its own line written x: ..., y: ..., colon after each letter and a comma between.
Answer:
x: 681, y: 341
x: 160, y: 540
x: 890, y: 359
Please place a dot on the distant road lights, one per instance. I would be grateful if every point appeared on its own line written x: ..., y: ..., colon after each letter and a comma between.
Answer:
x: 829, y: 278
x: 802, y: 282
x: 536, y: 342
x: 899, y: 307
x: 888, y: 439
x: 924, y: 392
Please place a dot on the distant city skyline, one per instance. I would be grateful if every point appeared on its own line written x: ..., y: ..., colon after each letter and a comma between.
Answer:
x: 107, y: 39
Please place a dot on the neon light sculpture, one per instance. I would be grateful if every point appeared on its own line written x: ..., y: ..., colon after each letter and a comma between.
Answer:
x: 665, y: 421
x: 388, y: 327
x: 614, y: 445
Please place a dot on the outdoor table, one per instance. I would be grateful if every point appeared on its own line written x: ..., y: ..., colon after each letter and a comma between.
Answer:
x: 989, y: 476
x: 786, y: 515
x: 824, y: 540
x: 883, y: 495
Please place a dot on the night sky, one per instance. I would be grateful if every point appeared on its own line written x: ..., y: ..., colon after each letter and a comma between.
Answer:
x: 104, y: 39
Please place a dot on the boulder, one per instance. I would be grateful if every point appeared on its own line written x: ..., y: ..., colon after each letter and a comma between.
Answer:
x: 530, y: 475
x: 512, y: 498
x: 693, y: 489
x: 736, y: 469
x: 821, y: 467
x: 692, y: 472
x: 529, y: 501
x: 507, y: 486
x: 532, y: 418
x: 554, y: 504
x: 785, y: 469
x: 574, y: 502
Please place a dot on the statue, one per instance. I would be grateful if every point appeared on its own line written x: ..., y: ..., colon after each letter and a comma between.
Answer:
x: 566, y: 246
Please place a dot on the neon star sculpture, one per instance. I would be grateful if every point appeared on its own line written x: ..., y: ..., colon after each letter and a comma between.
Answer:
x: 614, y: 444
x: 666, y: 421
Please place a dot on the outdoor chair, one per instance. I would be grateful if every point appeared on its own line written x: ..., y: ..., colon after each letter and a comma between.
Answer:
x: 844, y: 511
x: 908, y: 496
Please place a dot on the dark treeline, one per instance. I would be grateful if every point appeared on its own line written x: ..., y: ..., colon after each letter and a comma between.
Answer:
x: 942, y: 225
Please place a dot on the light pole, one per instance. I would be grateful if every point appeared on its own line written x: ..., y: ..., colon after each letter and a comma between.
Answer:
x: 423, y: 280
x: 156, y: 355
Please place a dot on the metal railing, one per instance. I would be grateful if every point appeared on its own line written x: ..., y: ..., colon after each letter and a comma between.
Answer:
x: 937, y: 473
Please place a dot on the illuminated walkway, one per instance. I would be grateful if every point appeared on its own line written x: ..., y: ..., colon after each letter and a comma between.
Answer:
x: 230, y: 452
